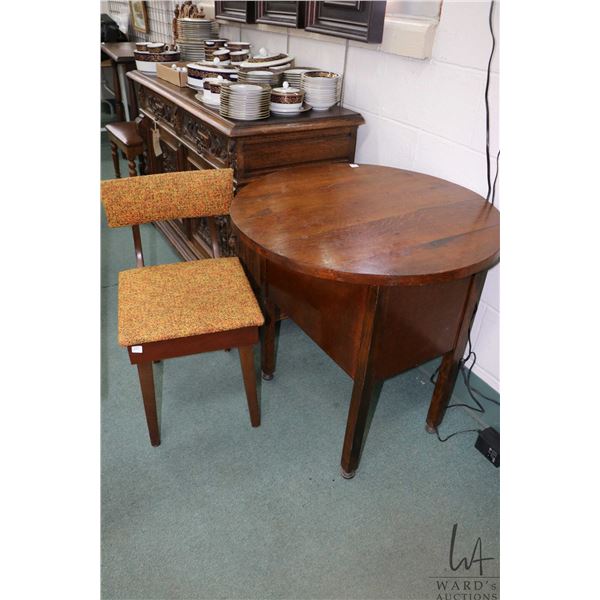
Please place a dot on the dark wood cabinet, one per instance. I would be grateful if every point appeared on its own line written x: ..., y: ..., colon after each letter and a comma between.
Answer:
x: 287, y: 14
x: 241, y: 12
x: 193, y: 136
x: 362, y: 21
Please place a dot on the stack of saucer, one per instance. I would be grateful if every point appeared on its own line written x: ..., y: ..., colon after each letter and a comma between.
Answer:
x: 245, y: 101
x: 191, y: 35
x: 322, y: 88
x: 264, y: 76
x: 294, y: 76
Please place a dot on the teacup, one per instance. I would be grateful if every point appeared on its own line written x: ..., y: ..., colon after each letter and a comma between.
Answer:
x: 222, y: 54
x: 214, y: 43
x: 239, y: 46
x: 156, y: 47
x: 141, y: 46
x: 239, y: 56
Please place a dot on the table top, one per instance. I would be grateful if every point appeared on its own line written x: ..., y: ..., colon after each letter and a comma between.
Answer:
x: 119, y: 51
x: 369, y: 224
x: 185, y: 97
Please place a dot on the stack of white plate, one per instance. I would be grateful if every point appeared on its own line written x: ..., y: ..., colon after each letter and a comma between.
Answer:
x: 265, y: 76
x: 245, y: 101
x: 322, y: 88
x: 193, y: 51
x: 194, y: 30
x: 294, y: 76
x: 191, y: 36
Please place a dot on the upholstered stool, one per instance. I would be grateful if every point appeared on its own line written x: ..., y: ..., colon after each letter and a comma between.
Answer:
x: 125, y: 137
x: 185, y: 308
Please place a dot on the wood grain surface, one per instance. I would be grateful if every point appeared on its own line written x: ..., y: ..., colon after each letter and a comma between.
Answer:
x: 371, y: 224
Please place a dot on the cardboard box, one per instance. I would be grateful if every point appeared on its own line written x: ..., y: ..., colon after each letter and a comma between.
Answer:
x: 164, y: 71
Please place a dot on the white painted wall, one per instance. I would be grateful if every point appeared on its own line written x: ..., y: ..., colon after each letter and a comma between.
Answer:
x: 424, y: 115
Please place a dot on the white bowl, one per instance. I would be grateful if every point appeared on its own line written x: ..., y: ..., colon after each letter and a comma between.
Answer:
x: 145, y: 66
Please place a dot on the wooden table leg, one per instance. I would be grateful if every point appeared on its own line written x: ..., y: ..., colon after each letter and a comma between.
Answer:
x: 449, y: 368
x: 131, y: 96
x: 117, y: 90
x: 362, y: 392
x: 268, y: 342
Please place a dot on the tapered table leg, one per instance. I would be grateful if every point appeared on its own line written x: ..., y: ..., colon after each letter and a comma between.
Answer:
x: 362, y: 391
x: 268, y: 343
x: 451, y: 360
x: 362, y: 394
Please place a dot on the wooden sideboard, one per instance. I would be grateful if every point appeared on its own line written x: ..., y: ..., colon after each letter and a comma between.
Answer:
x: 193, y: 136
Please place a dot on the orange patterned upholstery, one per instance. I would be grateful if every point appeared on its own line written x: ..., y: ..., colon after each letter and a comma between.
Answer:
x: 167, y: 196
x: 184, y: 299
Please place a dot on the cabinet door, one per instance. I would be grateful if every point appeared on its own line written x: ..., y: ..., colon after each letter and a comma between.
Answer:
x: 242, y: 12
x: 362, y: 21
x: 287, y: 14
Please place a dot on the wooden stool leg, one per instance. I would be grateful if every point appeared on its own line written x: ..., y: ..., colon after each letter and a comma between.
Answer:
x: 132, y: 168
x: 268, y: 343
x: 147, y: 384
x: 249, y: 374
x: 142, y: 164
x: 115, y: 156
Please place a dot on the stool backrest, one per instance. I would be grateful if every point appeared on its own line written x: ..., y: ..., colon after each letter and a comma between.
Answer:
x: 167, y: 196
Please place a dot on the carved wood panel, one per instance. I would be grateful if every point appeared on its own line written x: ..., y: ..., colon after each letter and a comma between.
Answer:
x: 226, y: 242
x: 161, y: 109
x: 206, y: 140
x: 188, y: 142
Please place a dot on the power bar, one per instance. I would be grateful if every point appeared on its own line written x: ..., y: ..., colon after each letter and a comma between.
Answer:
x: 488, y: 443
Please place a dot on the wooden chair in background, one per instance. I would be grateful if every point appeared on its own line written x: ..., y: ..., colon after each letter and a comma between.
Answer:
x: 184, y: 308
x: 124, y: 136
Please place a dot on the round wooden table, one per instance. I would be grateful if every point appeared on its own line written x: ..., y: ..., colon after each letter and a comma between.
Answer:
x: 382, y: 268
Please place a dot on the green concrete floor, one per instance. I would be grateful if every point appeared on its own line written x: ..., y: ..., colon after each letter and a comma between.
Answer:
x: 221, y: 510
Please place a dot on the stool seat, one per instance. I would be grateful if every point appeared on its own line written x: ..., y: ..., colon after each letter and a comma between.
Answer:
x: 124, y: 136
x: 125, y: 132
x: 184, y: 299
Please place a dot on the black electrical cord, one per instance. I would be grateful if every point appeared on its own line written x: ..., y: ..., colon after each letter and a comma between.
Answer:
x: 455, y: 433
x: 487, y: 114
x: 466, y: 372
x: 496, y: 178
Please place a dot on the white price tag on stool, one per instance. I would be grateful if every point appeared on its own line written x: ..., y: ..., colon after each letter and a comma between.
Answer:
x: 137, y: 349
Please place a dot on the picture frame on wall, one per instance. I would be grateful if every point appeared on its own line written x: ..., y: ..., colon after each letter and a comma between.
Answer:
x: 139, y: 16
